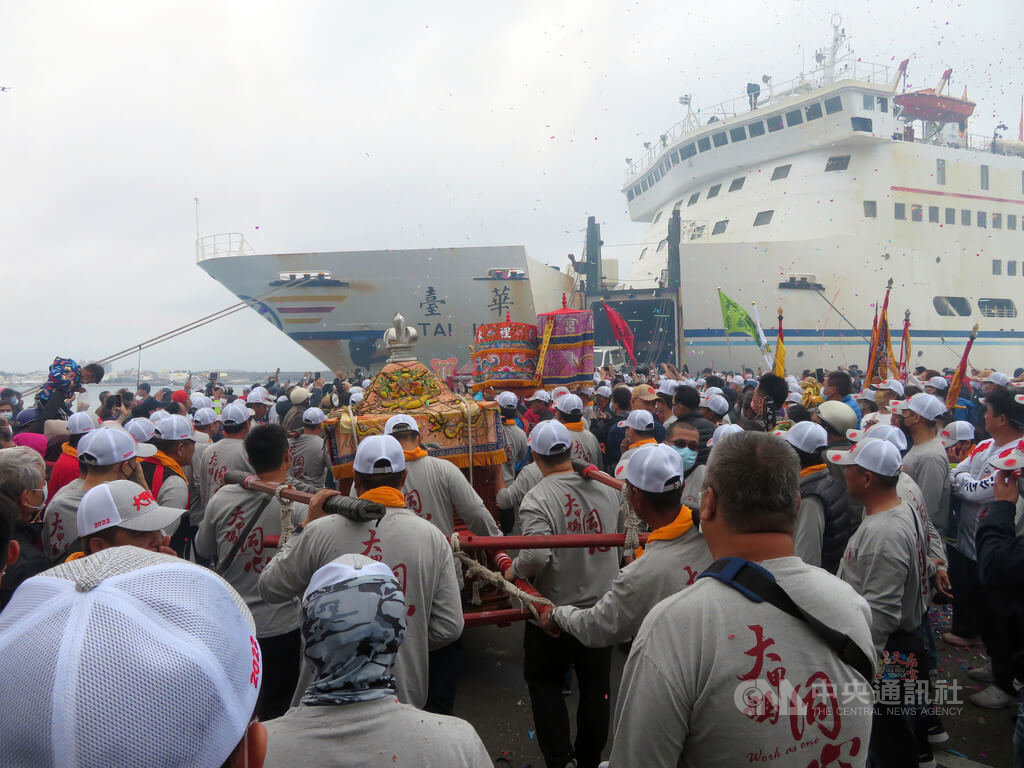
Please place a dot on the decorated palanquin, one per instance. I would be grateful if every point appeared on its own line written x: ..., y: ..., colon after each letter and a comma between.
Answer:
x: 566, y: 357
x: 464, y: 431
x: 505, y: 357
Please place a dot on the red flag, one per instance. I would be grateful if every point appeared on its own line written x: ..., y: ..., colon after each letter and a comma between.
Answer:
x: 874, y: 344
x: 960, y: 377
x: 881, y: 360
x: 621, y: 331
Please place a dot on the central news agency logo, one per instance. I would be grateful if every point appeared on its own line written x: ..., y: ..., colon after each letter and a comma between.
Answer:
x: 821, y: 700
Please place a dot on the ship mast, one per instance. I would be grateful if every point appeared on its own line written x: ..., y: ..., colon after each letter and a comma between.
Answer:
x: 830, y: 58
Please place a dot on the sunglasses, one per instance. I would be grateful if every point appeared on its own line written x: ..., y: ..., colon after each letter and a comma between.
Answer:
x: 686, y: 444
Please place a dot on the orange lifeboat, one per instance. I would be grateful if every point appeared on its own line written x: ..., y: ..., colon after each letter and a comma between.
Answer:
x: 928, y: 105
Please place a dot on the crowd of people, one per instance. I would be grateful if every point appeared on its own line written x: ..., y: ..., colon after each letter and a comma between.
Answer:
x: 786, y: 541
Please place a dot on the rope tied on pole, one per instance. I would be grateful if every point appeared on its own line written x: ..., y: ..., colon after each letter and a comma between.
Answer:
x: 287, y: 527
x: 483, y: 575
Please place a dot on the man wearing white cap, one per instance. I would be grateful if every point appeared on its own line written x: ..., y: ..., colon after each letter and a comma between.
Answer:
x: 936, y: 385
x: 673, y: 556
x: 309, y: 453
x: 709, y: 662
x: 562, y: 503
x: 228, y: 453
x: 824, y: 522
x: 119, y: 513
x: 995, y: 380
x: 926, y: 461
x: 104, y: 455
x: 585, y: 447
x: 261, y: 402
x: 639, y: 426
x: 538, y: 409
x: 205, y: 425
x: 885, y: 393
x: 292, y: 421
x: 602, y: 419
x: 515, y: 438
x: 885, y: 561
x: 414, y: 549
x: 232, y: 532
x: 174, y: 438
x: 958, y: 439
x: 663, y: 408
x: 163, y: 663
x: 353, y: 625
x: 714, y: 408
x: 66, y: 468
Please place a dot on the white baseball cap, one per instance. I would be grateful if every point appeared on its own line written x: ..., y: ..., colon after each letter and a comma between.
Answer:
x: 712, y: 391
x: 655, y: 469
x: 313, y: 417
x: 569, y: 403
x: 668, y: 387
x: 541, y: 395
x: 507, y: 400
x: 794, y: 398
x: 998, y: 378
x: 379, y: 448
x: 955, y: 432
x: 550, y: 437
x: 299, y: 395
x: 558, y: 392
x: 343, y: 568
x: 157, y: 415
x: 722, y: 431
x: 641, y: 420
x: 366, y: 383
x: 204, y: 417
x: 807, y: 436
x: 890, y: 384
x: 122, y: 504
x: 885, y: 432
x: 401, y: 422
x: 924, y: 405
x: 865, y: 394
x: 111, y: 445
x: 163, y: 670
x: 716, y: 403
x: 355, y: 398
x: 175, y: 427
x: 878, y: 456
x: 235, y: 414
x: 1009, y: 458
x: 938, y: 382
x: 603, y: 391
x: 80, y: 423
x: 259, y: 396
x: 738, y: 380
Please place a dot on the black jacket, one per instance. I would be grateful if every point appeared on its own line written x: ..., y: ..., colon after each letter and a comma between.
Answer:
x: 1001, y: 569
x: 30, y: 561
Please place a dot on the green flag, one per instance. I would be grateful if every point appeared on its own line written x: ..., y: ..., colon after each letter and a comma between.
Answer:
x: 736, y: 319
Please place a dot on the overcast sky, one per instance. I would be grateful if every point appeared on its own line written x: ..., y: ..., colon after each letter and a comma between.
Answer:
x: 345, y: 125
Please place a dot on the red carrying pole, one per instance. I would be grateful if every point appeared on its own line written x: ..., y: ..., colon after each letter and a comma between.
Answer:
x: 563, y: 541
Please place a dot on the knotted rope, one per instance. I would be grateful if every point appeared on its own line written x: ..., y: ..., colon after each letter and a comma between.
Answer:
x: 482, y: 574
x: 287, y: 528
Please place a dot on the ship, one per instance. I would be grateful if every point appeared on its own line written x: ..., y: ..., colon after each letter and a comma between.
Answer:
x: 806, y: 196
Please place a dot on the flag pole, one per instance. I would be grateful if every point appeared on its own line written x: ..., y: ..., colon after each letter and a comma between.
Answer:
x: 953, y: 393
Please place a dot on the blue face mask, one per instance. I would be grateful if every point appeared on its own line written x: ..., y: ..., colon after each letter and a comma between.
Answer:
x: 688, y: 455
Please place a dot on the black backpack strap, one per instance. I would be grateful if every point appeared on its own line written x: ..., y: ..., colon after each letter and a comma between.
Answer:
x: 243, y: 534
x: 758, y: 585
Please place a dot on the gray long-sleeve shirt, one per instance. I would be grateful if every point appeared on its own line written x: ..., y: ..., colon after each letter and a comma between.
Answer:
x: 422, y: 561
x: 218, y: 459
x: 434, y: 488
x: 928, y: 465
x: 308, y: 462
x: 516, y: 448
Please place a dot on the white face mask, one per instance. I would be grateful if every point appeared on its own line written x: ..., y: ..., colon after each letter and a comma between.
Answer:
x: 45, y: 491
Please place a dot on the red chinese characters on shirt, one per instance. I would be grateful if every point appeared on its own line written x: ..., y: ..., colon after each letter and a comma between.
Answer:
x: 298, y: 461
x: 576, y: 521
x: 253, y: 546
x: 401, y: 572
x: 372, y: 548
x: 415, y: 503
x: 56, y: 536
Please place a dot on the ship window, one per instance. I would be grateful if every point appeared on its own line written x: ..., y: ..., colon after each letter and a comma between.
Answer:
x: 940, y: 171
x: 737, y: 184
x: 675, y: 157
x: 685, y: 153
x: 713, y: 192
x: 774, y: 123
x: 756, y: 129
x: 933, y: 214
x: 698, y: 232
x: 982, y: 219
x: 883, y: 104
x: 781, y: 172
x: 997, y: 307
x: 838, y: 163
x: 997, y: 266
x: 704, y: 144
x: 644, y: 251
x: 812, y: 111
x: 637, y: 191
x: 951, y: 215
x: 794, y: 118
x: 870, y: 209
x: 719, y: 139
x: 863, y: 124
x: 720, y: 226
x: 869, y: 102
x: 1011, y: 268
x: 984, y: 177
x: 693, y: 199
x: 657, y: 218
x: 965, y: 217
x: 997, y: 221
x: 763, y: 218
x: 833, y: 105
x: 900, y: 211
x: 643, y: 185
x: 629, y: 195
x: 654, y: 176
x: 916, y: 212
x: 1011, y: 221
x: 661, y: 246
x: 947, y: 306
x: 738, y: 134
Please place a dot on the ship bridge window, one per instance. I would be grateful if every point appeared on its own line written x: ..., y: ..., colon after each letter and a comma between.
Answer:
x: 704, y: 144
x: 675, y: 157
x: 940, y: 171
x: 869, y: 102
x: 883, y: 104
x: 637, y: 191
x: 899, y: 211
x: 763, y: 218
x: 1011, y: 268
x: 997, y: 307
x: 657, y: 218
x: 833, y: 105
x: 693, y: 199
x: 697, y: 233
x: 951, y: 215
x: 838, y: 163
x: 965, y: 217
x: 643, y: 185
x: 736, y: 184
x: 982, y: 219
x: 756, y: 129
x: 685, y: 153
x: 719, y: 139
x: 661, y: 246
x: 643, y: 252
x: 794, y: 118
x: 812, y: 111
x: 713, y: 192
x: 629, y: 195
x: 1011, y: 221
x: 781, y: 172
x: 720, y: 226
x: 948, y: 306
x: 870, y: 209
x: 862, y: 124
x: 738, y: 133
x: 933, y: 214
x: 997, y: 266
x: 984, y: 177
x: 774, y: 123
x: 997, y: 221
x: 916, y: 212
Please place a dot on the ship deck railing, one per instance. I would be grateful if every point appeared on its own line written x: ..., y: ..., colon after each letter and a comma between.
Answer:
x: 221, y: 245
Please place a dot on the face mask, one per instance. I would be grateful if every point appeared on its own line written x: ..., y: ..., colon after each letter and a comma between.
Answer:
x: 45, y: 491
x: 688, y: 455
